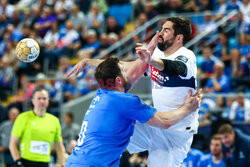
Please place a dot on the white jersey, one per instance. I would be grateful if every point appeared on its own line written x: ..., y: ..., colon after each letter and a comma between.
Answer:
x: 169, y: 92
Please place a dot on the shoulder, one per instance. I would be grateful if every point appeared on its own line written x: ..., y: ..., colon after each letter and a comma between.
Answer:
x: 187, y: 52
x: 5, y: 123
x: 51, y: 117
x: 25, y: 114
x: 243, y: 139
x: 185, y: 55
x: 197, y: 152
x: 205, y: 157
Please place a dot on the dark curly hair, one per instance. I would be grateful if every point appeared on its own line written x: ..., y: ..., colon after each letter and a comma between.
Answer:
x: 107, y: 71
x: 181, y: 26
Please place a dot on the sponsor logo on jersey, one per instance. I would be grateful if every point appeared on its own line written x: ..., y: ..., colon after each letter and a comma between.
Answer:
x: 171, y: 81
x: 182, y: 58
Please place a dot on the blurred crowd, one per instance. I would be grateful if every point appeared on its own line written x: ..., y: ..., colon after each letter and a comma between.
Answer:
x: 69, y: 30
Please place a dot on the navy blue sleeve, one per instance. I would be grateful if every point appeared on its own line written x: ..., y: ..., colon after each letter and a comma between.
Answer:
x: 137, y: 110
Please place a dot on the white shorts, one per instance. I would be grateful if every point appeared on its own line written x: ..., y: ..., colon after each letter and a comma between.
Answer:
x: 167, y: 148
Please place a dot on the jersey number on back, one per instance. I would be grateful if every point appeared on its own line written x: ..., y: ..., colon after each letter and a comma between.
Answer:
x: 82, y: 135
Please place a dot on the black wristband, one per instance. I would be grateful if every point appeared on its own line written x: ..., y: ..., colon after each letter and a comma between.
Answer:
x: 19, y: 163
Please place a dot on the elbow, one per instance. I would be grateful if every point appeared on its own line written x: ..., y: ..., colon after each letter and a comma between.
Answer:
x: 167, y: 124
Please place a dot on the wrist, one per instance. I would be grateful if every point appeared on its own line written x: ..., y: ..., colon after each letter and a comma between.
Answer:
x: 18, y: 163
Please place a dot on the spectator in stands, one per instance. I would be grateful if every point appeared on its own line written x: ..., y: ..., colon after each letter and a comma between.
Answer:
x: 16, y: 18
x: 42, y: 83
x: 62, y: 8
x: 245, y: 24
x: 142, y: 19
x: 233, y: 5
x: 64, y: 67
x: 95, y: 19
x: 69, y: 89
x: 35, y: 15
x: 10, y: 54
x: 240, y: 109
x: 5, y: 131
x: 205, y: 5
x: 190, y: 6
x: 170, y: 6
x: 43, y: 24
x: 236, y: 146
x: 36, y: 131
x: 208, y: 24
x: 23, y: 5
x: 220, y: 9
x: 70, y: 130
x: 138, y: 8
x: 215, y: 158
x: 26, y: 30
x: 229, y: 102
x: 150, y: 10
x: 207, y: 65
x: 91, y: 46
x: 240, y: 70
x: 102, y: 5
x: 6, y: 78
x: 3, y: 113
x: 112, y: 26
x: 15, y: 34
x: 219, y: 82
x: 193, y: 158
x: 104, y: 44
x: 50, y: 40
x: 68, y: 39
x: 7, y: 8
x: 78, y: 18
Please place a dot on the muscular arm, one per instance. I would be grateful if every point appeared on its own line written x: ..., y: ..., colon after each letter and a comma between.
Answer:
x: 134, y: 70
x: 60, y: 151
x: 170, y: 67
x: 167, y: 119
x: 13, y: 147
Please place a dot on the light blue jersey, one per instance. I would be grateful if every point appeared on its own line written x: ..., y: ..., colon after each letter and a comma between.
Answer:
x: 107, y: 127
x: 206, y: 161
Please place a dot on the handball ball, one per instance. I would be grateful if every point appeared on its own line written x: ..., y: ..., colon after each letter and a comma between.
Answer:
x: 27, y: 50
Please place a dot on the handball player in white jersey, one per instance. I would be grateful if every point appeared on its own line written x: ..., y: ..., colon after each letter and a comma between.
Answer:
x: 173, y: 73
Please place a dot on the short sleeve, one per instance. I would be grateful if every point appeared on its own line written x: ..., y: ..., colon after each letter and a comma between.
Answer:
x: 18, y: 126
x: 137, y: 110
x: 58, y: 136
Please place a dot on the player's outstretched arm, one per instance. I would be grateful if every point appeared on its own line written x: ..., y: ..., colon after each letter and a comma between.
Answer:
x: 167, y: 119
x: 81, y: 65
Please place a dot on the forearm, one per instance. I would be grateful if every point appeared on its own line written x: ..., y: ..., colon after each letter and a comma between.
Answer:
x: 93, y: 62
x: 157, y: 63
x: 172, y: 117
x: 14, y: 152
x: 60, y: 150
x: 167, y: 119
x: 134, y: 70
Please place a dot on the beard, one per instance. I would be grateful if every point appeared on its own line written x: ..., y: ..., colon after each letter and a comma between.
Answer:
x: 164, y: 45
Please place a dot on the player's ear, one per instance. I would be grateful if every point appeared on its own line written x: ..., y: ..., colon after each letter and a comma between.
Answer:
x: 118, y: 80
x: 180, y: 38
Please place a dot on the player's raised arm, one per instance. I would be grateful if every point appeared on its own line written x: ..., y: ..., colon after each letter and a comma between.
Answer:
x: 81, y: 65
x: 167, y: 119
x: 135, y: 69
